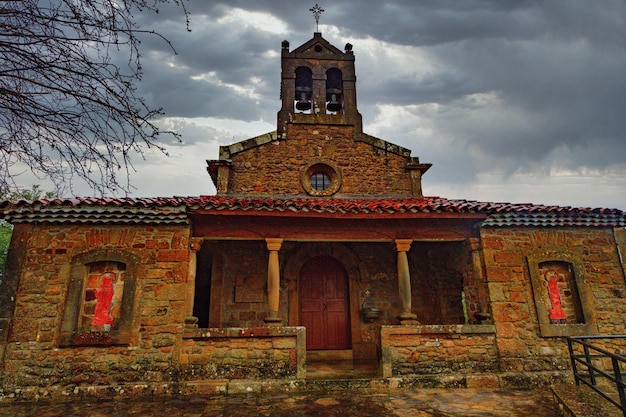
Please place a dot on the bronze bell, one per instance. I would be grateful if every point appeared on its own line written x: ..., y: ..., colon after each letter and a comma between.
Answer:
x: 334, y: 86
x: 304, y: 103
x: 333, y: 105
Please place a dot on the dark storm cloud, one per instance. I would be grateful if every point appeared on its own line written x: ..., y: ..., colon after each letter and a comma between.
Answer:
x: 220, y: 69
x: 569, y: 92
x: 500, y: 86
x: 559, y: 65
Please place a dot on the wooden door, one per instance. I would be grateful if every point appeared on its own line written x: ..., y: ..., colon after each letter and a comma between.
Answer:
x: 324, y: 304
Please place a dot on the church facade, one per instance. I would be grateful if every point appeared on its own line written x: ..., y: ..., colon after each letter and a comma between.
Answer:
x: 318, y: 243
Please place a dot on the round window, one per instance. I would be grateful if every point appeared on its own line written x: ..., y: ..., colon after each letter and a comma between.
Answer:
x: 320, y: 179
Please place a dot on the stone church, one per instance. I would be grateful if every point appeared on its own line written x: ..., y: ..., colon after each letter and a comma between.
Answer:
x: 318, y: 246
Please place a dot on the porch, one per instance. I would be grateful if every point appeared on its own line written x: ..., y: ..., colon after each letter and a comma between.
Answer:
x: 331, y: 289
x: 280, y: 353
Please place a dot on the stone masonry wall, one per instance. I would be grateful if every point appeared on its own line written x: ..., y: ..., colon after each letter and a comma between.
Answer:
x: 420, y: 350
x: 244, y: 353
x: 274, y: 168
x: 520, y: 344
x: 377, y: 262
x: 244, y: 295
x: 32, y: 356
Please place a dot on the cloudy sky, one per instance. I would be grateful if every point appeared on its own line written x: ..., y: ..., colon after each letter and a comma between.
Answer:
x: 519, y: 101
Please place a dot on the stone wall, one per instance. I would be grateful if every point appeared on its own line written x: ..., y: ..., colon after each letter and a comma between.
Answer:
x: 53, y: 340
x: 523, y: 343
x: 377, y: 274
x: 275, y: 168
x: 244, y: 353
x: 378, y: 265
x: 239, y: 283
x: 428, y: 350
x: 152, y: 342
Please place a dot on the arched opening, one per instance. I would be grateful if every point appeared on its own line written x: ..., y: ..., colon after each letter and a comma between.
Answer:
x: 334, y: 90
x: 303, y: 89
x: 563, y: 300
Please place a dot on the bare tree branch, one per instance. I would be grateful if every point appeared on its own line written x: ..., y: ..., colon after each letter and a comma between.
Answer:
x: 67, y: 110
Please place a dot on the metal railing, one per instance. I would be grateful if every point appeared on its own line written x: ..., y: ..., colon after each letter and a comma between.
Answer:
x: 594, y: 363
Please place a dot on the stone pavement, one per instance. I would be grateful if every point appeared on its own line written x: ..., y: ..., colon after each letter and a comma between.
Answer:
x: 414, y: 403
x: 581, y: 401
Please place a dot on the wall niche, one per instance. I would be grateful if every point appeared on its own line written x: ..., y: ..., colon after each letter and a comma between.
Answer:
x: 563, y: 300
x: 100, y: 303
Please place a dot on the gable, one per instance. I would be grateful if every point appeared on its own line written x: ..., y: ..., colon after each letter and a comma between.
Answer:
x: 315, y: 48
x: 268, y: 165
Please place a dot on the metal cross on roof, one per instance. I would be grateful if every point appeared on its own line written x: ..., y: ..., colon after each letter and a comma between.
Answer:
x: 317, y: 12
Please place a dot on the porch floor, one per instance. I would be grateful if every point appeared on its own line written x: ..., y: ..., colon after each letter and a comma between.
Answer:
x: 321, y: 369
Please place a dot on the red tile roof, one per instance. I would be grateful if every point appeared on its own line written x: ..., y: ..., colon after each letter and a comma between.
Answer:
x: 175, y: 209
x: 95, y: 210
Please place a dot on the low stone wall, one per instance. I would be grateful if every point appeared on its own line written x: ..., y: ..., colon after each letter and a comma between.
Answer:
x: 244, y: 353
x: 438, y: 349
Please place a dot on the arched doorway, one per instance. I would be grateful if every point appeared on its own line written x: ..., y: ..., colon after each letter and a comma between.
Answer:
x: 324, y: 304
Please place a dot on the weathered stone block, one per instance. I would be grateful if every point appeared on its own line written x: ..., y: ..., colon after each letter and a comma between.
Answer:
x: 506, y: 312
x: 512, y: 347
x: 482, y: 381
x: 173, y: 255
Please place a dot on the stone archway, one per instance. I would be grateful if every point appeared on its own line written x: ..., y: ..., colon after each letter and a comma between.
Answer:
x: 300, y: 256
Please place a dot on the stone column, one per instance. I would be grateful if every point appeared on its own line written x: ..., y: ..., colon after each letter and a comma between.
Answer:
x: 478, y: 268
x: 273, y: 281
x: 404, y: 282
x: 191, y: 322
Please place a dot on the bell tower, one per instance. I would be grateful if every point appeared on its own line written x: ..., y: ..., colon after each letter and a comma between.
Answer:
x: 319, y: 148
x: 318, y: 86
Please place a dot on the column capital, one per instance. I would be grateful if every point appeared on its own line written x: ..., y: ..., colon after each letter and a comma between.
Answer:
x: 403, y: 245
x: 195, y: 243
x: 274, y: 243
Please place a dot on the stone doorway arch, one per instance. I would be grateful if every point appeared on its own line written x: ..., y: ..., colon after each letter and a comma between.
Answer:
x: 300, y: 255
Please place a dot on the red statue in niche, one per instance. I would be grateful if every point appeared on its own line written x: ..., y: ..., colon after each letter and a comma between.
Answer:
x: 557, y: 315
x: 104, y: 296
